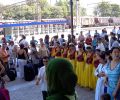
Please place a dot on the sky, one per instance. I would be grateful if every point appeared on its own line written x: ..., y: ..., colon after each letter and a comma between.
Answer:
x: 88, y: 4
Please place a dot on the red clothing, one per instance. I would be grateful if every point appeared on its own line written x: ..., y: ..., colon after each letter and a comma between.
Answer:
x: 72, y: 56
x: 88, y: 41
x: 96, y: 63
x: 89, y: 60
x: 80, y: 57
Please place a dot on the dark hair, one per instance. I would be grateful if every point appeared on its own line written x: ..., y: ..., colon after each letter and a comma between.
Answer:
x: 97, y: 50
x: 107, y: 53
x: 102, y: 55
x: 23, y: 36
x: 114, y: 48
x: 21, y: 46
x: 114, y: 38
x: 89, y: 48
x: 47, y: 37
x: 106, y: 38
x: 62, y: 35
x: 45, y: 57
x: 105, y: 97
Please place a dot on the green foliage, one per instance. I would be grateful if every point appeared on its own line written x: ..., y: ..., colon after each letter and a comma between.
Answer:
x: 105, y: 9
x: 41, y: 8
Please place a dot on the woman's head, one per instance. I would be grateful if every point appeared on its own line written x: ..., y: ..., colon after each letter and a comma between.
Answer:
x: 61, y: 77
x: 47, y: 37
x: 107, y: 56
x: 101, y: 57
x: 115, y: 53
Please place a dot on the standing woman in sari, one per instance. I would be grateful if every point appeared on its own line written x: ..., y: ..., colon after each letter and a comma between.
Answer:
x: 88, y: 68
x: 80, y: 64
x: 71, y: 55
x: 58, y: 50
x: 65, y: 51
x: 113, y: 74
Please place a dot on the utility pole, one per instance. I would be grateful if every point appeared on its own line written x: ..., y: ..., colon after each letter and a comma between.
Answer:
x: 77, y: 14
x: 71, y: 13
x: 38, y: 13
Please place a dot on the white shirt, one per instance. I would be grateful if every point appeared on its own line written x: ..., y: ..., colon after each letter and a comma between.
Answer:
x: 114, y: 31
x: 118, y: 32
x: 25, y: 43
x: 42, y: 76
x: 115, y: 44
x: 103, y: 34
x: 100, y: 47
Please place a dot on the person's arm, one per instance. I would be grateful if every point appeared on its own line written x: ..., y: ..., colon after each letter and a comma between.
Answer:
x: 25, y: 54
x: 2, y: 68
x: 96, y: 71
x: 38, y: 78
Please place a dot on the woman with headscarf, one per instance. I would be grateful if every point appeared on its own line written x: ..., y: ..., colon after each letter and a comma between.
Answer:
x: 61, y: 80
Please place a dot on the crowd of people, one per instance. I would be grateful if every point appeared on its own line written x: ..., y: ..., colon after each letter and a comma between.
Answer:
x: 95, y: 61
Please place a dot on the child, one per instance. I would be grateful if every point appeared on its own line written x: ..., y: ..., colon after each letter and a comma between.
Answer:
x: 42, y: 78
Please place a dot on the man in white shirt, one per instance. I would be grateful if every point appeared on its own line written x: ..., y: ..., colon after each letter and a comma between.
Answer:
x: 41, y: 78
x: 118, y: 33
x: 61, y: 40
x: 100, y: 45
x: 114, y: 30
x: 25, y: 43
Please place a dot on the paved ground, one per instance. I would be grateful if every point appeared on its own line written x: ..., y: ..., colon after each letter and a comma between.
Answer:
x: 21, y: 90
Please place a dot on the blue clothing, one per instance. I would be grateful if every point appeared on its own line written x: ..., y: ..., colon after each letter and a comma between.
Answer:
x: 34, y: 42
x: 113, y: 77
x: 94, y: 42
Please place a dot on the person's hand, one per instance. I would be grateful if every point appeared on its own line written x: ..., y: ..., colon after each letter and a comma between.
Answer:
x: 37, y: 82
x: 102, y: 74
x: 106, y: 81
x: 114, y: 95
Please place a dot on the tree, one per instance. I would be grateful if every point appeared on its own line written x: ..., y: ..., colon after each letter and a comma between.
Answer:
x: 102, y: 9
x: 56, y: 12
x: 105, y: 9
x: 115, y: 10
x: 82, y: 11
